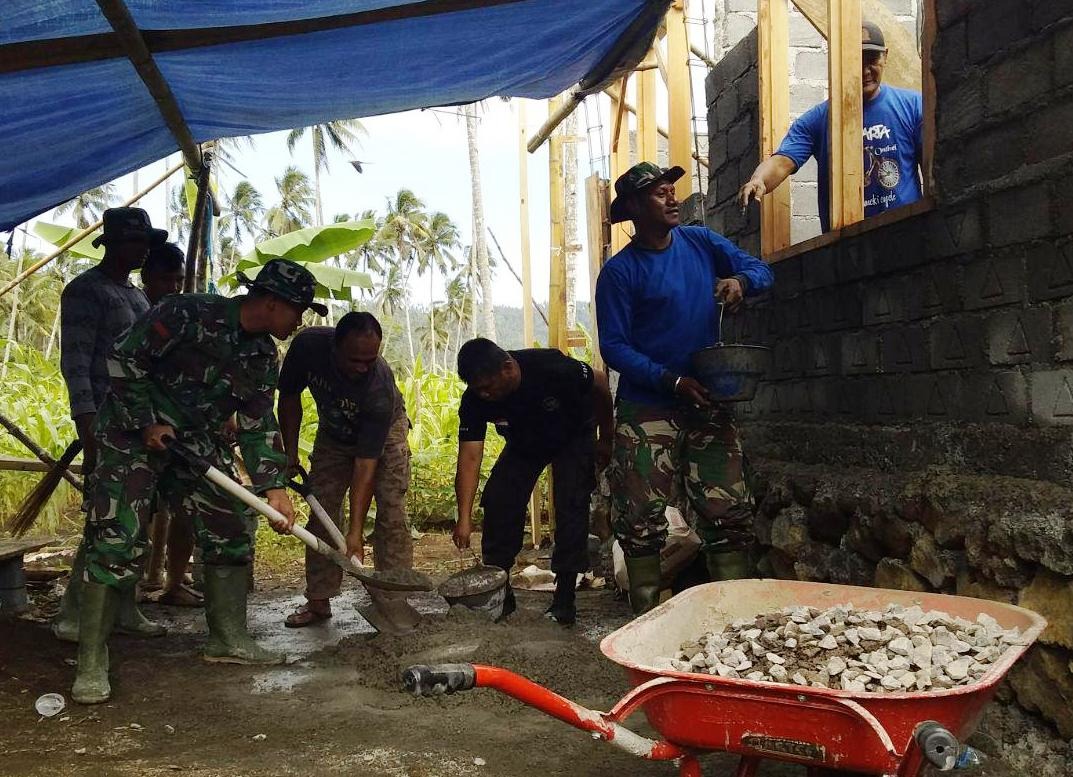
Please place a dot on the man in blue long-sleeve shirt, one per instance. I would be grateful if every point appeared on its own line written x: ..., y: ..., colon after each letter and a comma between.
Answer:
x: 655, y: 306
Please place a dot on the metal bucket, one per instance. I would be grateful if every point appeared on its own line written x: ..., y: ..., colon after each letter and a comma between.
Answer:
x: 731, y: 373
x: 480, y: 588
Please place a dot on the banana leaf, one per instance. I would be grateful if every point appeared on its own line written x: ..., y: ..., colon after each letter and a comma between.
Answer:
x: 57, y: 235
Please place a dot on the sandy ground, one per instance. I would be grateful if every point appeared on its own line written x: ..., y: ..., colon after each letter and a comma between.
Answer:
x: 336, y: 708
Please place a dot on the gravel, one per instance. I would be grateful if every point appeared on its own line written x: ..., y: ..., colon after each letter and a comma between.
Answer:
x: 864, y: 651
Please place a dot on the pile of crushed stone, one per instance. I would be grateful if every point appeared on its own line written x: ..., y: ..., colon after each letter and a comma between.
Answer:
x: 900, y: 649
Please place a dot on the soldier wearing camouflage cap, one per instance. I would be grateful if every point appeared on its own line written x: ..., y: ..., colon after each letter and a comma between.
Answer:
x: 180, y: 372
x: 657, y: 302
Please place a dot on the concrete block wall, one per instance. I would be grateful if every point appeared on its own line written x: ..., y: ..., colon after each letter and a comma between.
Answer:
x: 922, y: 380
x: 735, y: 35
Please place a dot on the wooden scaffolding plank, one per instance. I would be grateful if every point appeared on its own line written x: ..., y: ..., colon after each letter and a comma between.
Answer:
x: 620, y: 160
x: 846, y: 114
x: 773, y: 30
x: 599, y: 239
x: 557, y: 202
x: 646, y: 116
x: 679, y: 98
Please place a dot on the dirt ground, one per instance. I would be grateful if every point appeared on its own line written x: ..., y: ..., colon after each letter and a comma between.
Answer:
x: 336, y: 708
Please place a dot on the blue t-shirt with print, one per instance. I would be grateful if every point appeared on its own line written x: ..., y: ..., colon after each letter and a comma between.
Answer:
x: 893, y: 150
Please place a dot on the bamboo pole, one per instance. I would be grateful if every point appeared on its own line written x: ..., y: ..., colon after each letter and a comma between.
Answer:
x: 47, y: 461
x: 197, y: 226
x: 84, y: 233
x: 620, y: 160
x: 557, y: 198
x: 614, y: 91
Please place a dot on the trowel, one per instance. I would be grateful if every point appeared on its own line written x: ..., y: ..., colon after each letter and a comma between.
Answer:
x: 394, y: 580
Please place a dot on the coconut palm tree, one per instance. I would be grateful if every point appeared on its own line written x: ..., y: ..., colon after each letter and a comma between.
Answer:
x: 242, y: 219
x: 406, y: 229
x: 295, y: 199
x: 480, y: 243
x: 89, y: 205
x: 436, y: 255
x: 339, y: 134
x: 179, y: 221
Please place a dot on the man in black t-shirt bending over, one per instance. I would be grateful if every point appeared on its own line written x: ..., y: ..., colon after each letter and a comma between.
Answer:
x: 360, y: 447
x: 547, y: 406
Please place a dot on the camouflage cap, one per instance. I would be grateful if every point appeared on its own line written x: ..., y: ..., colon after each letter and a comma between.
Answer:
x: 287, y: 280
x: 125, y: 223
x: 634, y: 180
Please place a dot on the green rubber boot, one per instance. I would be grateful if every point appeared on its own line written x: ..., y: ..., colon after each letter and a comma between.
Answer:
x: 99, y: 604
x: 644, y: 574
x: 728, y: 565
x: 65, y: 624
x: 131, y: 621
x: 226, y: 588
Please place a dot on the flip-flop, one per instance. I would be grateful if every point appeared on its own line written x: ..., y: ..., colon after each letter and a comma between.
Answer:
x: 181, y: 597
x: 304, y: 616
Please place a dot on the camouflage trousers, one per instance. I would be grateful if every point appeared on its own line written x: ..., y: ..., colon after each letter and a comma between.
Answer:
x: 122, y: 495
x: 690, y: 459
x: 331, y: 471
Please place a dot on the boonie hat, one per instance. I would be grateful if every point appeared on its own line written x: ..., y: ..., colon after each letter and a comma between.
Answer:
x: 125, y: 223
x: 634, y: 180
x: 287, y: 280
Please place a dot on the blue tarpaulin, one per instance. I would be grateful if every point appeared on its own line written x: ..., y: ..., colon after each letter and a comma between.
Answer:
x: 75, y: 113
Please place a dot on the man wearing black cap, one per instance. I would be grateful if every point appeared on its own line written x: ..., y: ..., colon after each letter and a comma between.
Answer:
x: 657, y: 302
x: 95, y: 308
x: 179, y: 373
x: 893, y: 142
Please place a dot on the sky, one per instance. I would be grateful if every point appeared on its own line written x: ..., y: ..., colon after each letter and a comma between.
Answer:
x: 426, y: 151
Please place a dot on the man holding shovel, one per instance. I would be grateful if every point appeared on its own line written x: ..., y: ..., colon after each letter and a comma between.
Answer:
x: 177, y: 375
x: 361, y: 447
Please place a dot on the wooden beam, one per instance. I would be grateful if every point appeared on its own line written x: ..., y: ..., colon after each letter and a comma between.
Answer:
x: 620, y: 163
x: 130, y: 37
x: 679, y: 99
x: 931, y: 31
x: 83, y: 234
x: 904, y: 68
x: 646, y: 117
x: 613, y: 92
x: 557, y: 203
x: 197, y: 228
x: 599, y: 240
x: 773, y: 31
x: 18, y: 464
x: 846, y: 116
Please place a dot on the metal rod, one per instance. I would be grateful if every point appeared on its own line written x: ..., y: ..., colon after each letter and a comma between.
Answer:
x: 118, y: 15
x: 83, y: 234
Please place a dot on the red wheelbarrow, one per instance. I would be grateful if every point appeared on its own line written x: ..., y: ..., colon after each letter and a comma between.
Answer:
x: 889, y: 734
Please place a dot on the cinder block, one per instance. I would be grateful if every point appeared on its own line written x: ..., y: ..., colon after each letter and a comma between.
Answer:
x: 936, y: 396
x: 994, y: 25
x: 956, y: 343
x: 1063, y: 332
x: 738, y: 27
x: 886, y: 400
x: 860, y: 353
x: 811, y: 66
x: 1051, y: 393
x: 1018, y: 215
x: 788, y: 278
x: 884, y: 301
x: 1024, y: 75
x: 797, y: 314
x: 1063, y: 55
x: 934, y: 290
x: 1050, y: 270
x: 994, y: 152
x: 950, y: 56
x: 899, y: 247
x: 804, y: 199
x: 900, y: 7
x: 853, y: 259
x: 949, y: 11
x: 1049, y: 131
x: 802, y: 33
x: 991, y: 278
x: 961, y: 108
x: 1019, y: 336
x: 846, y: 396
x: 846, y: 307
x: 996, y: 397
x: 727, y: 181
x: 742, y: 137
x: 786, y: 361
x: 822, y: 355
x: 804, y: 96
x: 818, y: 270
x: 954, y: 230
x: 741, y: 5
x: 807, y: 172
x: 804, y: 228
x: 726, y: 107
x: 748, y: 85
x: 717, y: 149
x: 903, y: 349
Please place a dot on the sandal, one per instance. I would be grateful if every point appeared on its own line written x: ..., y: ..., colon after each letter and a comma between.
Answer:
x: 305, y: 616
x: 182, y: 596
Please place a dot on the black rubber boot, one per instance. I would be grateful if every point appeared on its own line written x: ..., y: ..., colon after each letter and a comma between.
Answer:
x: 510, y: 604
x: 99, y: 604
x: 226, y: 589
x: 644, y: 574
x: 728, y: 565
x: 563, y: 610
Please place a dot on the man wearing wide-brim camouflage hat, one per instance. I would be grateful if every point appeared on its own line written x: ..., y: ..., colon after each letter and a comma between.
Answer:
x: 180, y: 372
x: 658, y: 301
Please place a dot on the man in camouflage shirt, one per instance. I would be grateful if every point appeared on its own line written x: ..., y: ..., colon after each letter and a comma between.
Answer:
x: 179, y: 373
x: 95, y: 309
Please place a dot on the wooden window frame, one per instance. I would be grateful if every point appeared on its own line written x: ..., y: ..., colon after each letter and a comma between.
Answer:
x: 845, y: 117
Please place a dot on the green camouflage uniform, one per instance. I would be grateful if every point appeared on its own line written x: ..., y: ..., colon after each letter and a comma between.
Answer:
x: 189, y: 364
x: 683, y: 457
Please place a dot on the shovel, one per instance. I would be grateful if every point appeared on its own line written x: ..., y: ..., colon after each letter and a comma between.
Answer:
x: 408, y: 580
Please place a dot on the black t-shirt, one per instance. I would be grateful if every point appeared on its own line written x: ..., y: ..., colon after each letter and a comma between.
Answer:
x: 552, y: 405
x: 356, y: 412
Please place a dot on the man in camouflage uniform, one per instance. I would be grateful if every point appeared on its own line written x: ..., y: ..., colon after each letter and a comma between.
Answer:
x: 96, y: 307
x: 361, y: 447
x: 178, y: 374
x: 655, y: 307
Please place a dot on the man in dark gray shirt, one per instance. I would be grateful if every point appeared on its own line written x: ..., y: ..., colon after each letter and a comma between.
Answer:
x: 95, y: 308
x: 361, y: 447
